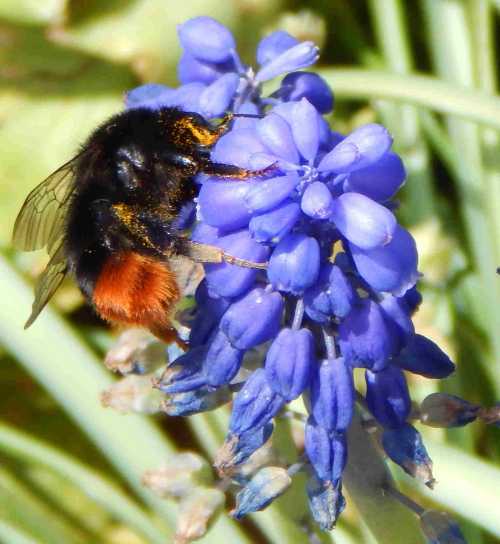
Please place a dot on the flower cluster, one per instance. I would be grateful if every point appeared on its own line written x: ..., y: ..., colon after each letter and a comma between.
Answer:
x: 339, y: 290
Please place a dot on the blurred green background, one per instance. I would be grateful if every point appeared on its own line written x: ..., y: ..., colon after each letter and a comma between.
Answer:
x: 70, y: 470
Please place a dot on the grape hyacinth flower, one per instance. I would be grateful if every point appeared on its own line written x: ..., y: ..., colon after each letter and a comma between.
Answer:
x: 340, y: 287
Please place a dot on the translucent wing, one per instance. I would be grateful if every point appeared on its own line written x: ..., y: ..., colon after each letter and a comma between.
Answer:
x: 41, y: 219
x: 41, y: 223
x: 48, y: 282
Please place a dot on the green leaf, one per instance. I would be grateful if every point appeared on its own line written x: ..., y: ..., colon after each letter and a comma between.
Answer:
x: 95, y: 486
x: 21, y: 507
x: 426, y: 91
x: 13, y: 535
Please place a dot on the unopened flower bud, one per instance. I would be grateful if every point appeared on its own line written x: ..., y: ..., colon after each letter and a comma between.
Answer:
x: 444, y: 410
x: 268, y: 484
x: 440, y: 528
x: 206, y: 39
x: 132, y: 394
x: 197, y: 512
x: 388, y: 397
x: 422, y: 356
x: 179, y: 476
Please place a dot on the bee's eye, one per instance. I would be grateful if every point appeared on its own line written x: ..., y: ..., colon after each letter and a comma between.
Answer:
x: 128, y: 176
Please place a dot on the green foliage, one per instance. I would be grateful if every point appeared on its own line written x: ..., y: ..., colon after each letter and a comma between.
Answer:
x: 71, y: 470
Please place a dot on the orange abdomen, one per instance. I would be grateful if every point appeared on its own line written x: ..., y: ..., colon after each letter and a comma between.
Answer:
x: 133, y: 289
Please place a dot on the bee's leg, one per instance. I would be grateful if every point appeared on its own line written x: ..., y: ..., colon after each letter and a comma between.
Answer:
x: 168, y: 335
x: 205, y: 253
x: 235, y: 172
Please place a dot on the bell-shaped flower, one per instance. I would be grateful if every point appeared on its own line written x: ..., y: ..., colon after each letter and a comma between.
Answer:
x: 185, y: 373
x: 397, y: 318
x: 405, y: 447
x: 326, y: 451
x: 317, y: 201
x: 230, y: 280
x: 294, y: 263
x: 238, y: 448
x: 200, y: 400
x: 276, y: 134
x: 273, y: 45
x: 192, y: 70
x: 387, y: 396
x: 305, y: 124
x: 363, y: 221
x: 267, y: 194
x: 150, y: 95
x: 289, y: 362
x: 237, y: 147
x: 331, y: 296
x: 255, y: 404
x: 267, y: 484
x: 222, y: 361
x: 216, y: 195
x: 215, y: 100
x: 253, y: 318
x: 208, y: 313
x: 297, y: 57
x: 363, y: 147
x: 274, y: 225
x: 422, y: 356
x: 332, y: 395
x: 391, y: 268
x: 298, y: 85
x: 380, y: 181
x: 364, y: 337
x: 206, y: 39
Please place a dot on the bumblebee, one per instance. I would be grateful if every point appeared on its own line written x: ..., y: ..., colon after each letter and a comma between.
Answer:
x: 110, y: 216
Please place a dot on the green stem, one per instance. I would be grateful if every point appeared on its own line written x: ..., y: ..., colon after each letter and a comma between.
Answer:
x: 453, y: 55
x: 426, y: 91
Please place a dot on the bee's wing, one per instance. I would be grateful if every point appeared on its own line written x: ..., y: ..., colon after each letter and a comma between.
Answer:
x: 41, y: 219
x: 48, y: 282
x: 41, y: 223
